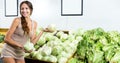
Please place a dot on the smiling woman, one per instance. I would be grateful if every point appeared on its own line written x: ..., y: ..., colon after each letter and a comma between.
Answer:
x: 22, y: 29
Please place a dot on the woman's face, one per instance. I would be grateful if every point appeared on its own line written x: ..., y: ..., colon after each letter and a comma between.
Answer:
x: 25, y: 10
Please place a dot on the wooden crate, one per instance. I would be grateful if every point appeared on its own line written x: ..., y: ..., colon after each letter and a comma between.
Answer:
x: 27, y: 60
x: 3, y: 30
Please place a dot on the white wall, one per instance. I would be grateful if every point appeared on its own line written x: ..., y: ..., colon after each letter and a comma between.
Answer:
x: 4, y: 21
x: 96, y: 13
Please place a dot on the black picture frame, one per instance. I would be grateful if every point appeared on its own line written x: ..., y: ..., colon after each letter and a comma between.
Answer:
x: 11, y: 8
x: 80, y: 13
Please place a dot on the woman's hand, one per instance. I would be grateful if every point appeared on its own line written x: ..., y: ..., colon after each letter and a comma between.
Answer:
x: 28, y: 51
x: 46, y: 30
x: 20, y: 46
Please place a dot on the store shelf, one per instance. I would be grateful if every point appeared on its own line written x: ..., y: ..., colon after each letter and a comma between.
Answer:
x: 3, y: 30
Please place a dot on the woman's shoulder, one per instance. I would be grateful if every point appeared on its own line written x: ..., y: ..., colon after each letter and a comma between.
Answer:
x: 34, y: 22
x: 16, y: 20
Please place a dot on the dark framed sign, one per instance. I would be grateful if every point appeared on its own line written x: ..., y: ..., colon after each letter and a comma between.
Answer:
x: 71, y: 7
x: 11, y: 8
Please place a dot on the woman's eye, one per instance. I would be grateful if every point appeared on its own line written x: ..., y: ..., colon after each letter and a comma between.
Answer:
x: 22, y: 8
x: 26, y: 8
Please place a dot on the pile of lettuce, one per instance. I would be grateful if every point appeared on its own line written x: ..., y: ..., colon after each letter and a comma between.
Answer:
x: 54, y: 47
x: 1, y: 38
x: 88, y: 46
x: 98, y: 46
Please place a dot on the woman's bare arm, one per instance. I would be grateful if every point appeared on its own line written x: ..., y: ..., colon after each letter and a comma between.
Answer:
x: 35, y: 37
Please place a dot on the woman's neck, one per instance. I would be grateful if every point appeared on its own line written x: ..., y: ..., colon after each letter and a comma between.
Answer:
x: 28, y: 19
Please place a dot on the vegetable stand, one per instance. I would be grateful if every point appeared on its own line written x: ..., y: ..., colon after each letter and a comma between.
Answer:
x: 57, y: 48
x: 79, y: 46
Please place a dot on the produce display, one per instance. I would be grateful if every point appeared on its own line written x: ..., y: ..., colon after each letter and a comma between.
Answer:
x: 56, y: 47
x: 98, y: 46
x: 79, y: 46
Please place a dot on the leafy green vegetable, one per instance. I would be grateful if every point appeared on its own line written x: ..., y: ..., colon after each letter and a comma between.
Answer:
x: 73, y: 60
x: 116, y: 57
x: 29, y: 47
x: 2, y: 38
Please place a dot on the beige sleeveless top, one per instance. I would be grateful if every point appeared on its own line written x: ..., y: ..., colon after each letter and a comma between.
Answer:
x: 18, y: 36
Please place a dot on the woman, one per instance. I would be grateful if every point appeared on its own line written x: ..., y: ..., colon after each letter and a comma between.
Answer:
x: 22, y: 29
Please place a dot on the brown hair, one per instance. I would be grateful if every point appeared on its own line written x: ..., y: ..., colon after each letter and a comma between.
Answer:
x: 23, y: 20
